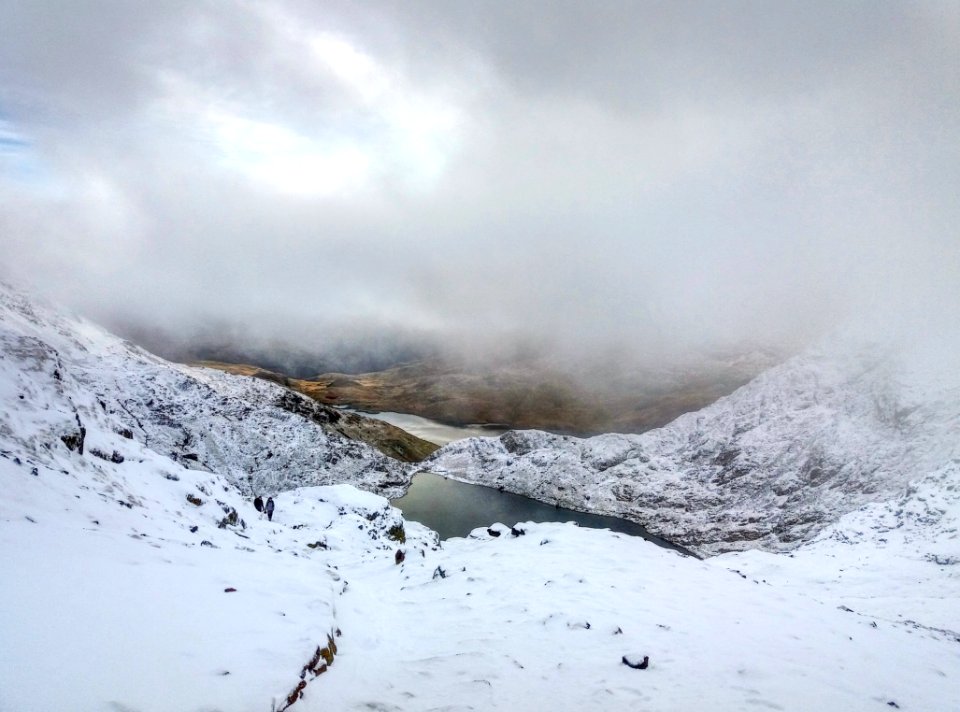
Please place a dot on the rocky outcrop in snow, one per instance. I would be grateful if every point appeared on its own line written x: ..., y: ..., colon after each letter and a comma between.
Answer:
x: 767, y: 467
x: 60, y: 374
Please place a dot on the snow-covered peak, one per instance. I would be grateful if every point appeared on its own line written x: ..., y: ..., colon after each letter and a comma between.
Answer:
x: 768, y: 466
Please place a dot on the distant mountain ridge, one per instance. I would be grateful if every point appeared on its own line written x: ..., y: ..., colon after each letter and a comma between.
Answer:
x: 528, y: 394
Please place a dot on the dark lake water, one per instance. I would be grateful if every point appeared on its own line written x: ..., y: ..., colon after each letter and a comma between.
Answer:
x: 454, y: 508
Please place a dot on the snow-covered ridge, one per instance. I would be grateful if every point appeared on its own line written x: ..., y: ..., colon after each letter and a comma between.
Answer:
x: 63, y: 374
x: 767, y: 467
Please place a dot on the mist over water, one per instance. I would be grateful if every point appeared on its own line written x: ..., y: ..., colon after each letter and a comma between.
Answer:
x: 356, y: 185
x: 433, y: 431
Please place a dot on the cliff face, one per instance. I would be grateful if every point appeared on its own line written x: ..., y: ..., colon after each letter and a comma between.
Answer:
x: 768, y: 467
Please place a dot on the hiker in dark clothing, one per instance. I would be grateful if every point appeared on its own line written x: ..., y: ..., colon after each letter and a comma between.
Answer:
x: 269, y: 508
x: 258, y: 503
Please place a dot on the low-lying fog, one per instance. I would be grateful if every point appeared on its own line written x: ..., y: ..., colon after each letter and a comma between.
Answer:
x: 353, y: 185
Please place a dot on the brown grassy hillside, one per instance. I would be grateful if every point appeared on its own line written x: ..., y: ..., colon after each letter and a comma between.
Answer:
x: 388, y: 439
x: 519, y: 397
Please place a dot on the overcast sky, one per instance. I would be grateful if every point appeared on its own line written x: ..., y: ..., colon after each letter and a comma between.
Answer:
x: 647, y: 176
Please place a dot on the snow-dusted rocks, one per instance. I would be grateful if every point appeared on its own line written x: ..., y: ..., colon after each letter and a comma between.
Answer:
x: 60, y: 377
x: 767, y: 467
x: 896, y: 562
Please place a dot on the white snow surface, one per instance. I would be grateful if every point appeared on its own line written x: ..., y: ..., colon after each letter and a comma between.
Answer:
x: 769, y: 466
x: 896, y: 561
x: 109, y: 607
x: 106, y: 606
x: 115, y: 578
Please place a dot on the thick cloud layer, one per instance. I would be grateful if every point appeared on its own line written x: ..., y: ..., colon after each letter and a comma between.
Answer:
x: 652, y: 177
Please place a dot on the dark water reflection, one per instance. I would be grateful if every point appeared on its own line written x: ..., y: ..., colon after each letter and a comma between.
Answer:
x: 454, y: 508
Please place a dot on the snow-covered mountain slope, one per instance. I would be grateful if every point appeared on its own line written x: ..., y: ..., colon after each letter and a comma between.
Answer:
x: 123, y: 589
x: 897, y: 561
x: 767, y: 467
x: 144, y: 586
x: 60, y: 376
x: 132, y: 583
x: 542, y: 622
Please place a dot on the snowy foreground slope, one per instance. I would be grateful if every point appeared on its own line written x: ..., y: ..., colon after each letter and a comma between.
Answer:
x: 134, y: 579
x: 112, y: 601
x: 116, y: 589
x: 767, y: 467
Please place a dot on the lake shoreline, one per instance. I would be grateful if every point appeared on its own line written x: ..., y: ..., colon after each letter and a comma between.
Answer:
x: 454, y: 511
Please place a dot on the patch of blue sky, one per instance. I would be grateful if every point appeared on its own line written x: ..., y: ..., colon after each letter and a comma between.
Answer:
x: 12, y: 143
x: 19, y: 160
x: 10, y: 139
